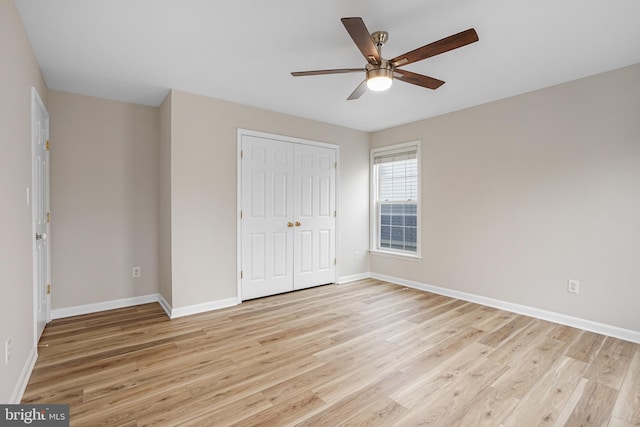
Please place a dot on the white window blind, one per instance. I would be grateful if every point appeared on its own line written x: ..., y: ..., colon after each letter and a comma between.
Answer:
x: 397, y: 176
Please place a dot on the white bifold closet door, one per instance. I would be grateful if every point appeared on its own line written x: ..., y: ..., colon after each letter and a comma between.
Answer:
x: 288, y: 216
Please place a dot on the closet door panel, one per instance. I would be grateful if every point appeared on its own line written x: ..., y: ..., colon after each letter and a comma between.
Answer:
x: 314, y: 211
x: 267, y: 210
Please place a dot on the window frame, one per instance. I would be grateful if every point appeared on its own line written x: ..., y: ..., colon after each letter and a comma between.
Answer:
x: 374, y: 203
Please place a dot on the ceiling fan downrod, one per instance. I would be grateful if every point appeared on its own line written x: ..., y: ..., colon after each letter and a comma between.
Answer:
x: 379, y: 73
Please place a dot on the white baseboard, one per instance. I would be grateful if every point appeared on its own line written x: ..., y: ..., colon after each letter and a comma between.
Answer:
x: 145, y: 299
x: 200, y: 308
x: 353, y: 277
x: 101, y: 306
x: 563, y: 319
x: 165, y: 305
x: 23, y: 380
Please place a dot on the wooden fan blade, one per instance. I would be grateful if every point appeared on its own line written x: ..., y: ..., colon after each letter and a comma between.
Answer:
x: 362, y: 38
x: 417, y: 79
x: 321, y: 72
x: 362, y: 88
x: 432, y: 49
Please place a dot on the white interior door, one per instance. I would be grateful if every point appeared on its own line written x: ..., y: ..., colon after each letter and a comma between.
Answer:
x: 314, y: 213
x: 267, y: 215
x: 40, y: 209
x: 287, y: 203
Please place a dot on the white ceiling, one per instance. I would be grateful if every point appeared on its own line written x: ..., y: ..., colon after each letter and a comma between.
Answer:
x: 244, y: 50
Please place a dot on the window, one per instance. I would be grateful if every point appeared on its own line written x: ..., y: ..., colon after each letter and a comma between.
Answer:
x: 395, y: 173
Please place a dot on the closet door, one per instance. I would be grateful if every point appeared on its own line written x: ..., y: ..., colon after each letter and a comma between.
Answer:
x: 314, y: 214
x: 288, y: 202
x: 267, y: 217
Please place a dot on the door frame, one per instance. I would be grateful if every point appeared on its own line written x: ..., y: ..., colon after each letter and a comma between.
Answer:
x: 241, y: 132
x: 37, y: 104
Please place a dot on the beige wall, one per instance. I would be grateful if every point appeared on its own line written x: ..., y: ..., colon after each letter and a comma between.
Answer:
x: 104, y: 199
x: 164, y: 202
x: 522, y: 194
x: 519, y: 195
x: 18, y: 73
x: 203, y: 191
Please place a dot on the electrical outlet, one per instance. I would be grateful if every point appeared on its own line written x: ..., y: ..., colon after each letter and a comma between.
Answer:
x: 7, y: 351
x: 573, y: 286
x: 136, y: 272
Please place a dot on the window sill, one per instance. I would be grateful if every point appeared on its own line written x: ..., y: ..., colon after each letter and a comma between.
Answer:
x: 392, y: 254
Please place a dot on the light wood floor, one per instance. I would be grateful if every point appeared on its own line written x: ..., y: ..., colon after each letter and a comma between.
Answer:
x: 366, y: 353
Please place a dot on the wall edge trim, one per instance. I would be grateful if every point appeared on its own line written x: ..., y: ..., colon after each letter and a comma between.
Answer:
x: 563, y: 319
x: 354, y: 277
x: 77, y: 310
x: 165, y: 305
x: 203, y: 307
x: 25, y: 375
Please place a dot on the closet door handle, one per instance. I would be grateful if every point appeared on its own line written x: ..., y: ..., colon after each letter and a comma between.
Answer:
x: 289, y: 224
x: 298, y: 224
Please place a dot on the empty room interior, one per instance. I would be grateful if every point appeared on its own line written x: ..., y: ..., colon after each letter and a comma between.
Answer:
x: 207, y: 221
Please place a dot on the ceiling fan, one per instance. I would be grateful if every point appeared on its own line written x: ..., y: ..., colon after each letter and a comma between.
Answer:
x: 380, y: 72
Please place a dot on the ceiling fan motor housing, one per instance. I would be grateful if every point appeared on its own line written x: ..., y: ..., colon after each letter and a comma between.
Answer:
x: 383, y: 69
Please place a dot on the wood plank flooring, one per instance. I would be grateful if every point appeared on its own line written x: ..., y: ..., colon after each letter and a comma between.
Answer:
x: 367, y: 353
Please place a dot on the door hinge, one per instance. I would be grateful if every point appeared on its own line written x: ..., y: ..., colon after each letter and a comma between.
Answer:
x: 335, y: 165
x: 335, y: 213
x: 241, y: 274
x: 48, y: 217
x: 241, y: 154
x: 240, y: 214
x: 49, y: 289
x: 335, y: 261
x: 47, y: 145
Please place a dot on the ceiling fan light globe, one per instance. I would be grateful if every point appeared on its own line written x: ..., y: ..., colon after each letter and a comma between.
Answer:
x: 380, y: 77
x: 379, y: 84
